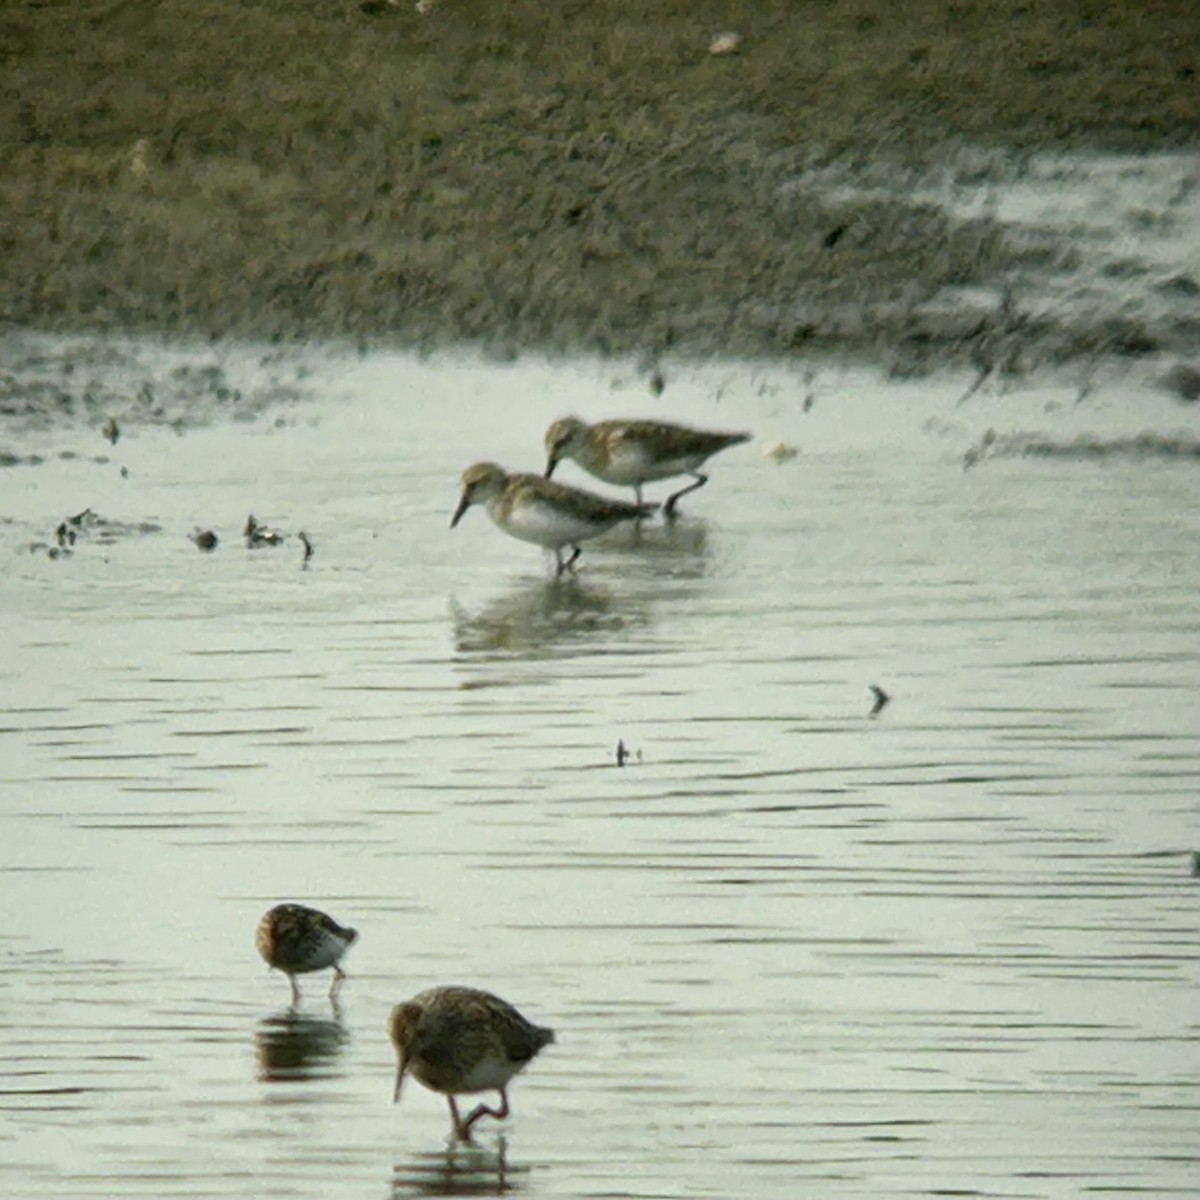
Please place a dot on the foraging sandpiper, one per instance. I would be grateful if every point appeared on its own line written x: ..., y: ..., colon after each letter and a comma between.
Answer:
x: 295, y: 940
x: 631, y: 453
x: 459, y: 1040
x: 536, y: 510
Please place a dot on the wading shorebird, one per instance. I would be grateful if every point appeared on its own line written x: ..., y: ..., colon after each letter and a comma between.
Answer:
x: 459, y: 1040
x: 295, y: 940
x: 536, y: 510
x: 631, y: 453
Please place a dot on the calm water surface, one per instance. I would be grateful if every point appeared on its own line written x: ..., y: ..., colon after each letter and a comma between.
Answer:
x: 789, y: 950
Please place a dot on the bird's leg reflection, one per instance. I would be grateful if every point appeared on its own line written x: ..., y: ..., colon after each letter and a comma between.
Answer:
x: 460, y: 1170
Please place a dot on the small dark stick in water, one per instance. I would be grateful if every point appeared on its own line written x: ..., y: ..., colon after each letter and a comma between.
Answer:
x: 622, y: 753
x: 308, y: 546
x: 111, y: 430
x: 881, y: 700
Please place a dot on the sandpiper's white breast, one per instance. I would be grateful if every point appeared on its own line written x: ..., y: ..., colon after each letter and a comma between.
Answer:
x: 491, y: 1073
x: 634, y: 461
x: 327, y: 948
x: 546, y: 523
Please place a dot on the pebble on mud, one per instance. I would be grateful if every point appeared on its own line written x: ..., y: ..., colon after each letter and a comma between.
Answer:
x: 779, y: 452
x: 204, y: 539
x: 725, y: 43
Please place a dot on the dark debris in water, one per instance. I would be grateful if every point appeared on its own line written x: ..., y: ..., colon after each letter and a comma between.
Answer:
x: 87, y: 526
x: 625, y: 754
x: 1184, y: 380
x: 1086, y: 447
x: 9, y: 459
x: 258, y: 535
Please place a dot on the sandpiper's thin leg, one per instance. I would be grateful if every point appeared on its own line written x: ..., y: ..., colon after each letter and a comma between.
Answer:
x: 669, y: 507
x: 339, y: 977
x: 461, y: 1131
x: 637, y: 491
x: 482, y: 1110
x: 295, y: 992
x: 569, y: 565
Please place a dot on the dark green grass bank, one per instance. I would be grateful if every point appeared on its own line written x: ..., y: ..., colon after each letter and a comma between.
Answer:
x: 551, y: 174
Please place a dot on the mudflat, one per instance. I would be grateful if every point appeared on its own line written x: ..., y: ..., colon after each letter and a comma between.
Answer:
x: 514, y: 173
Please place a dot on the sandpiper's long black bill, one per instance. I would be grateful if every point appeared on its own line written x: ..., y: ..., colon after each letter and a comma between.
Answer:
x: 399, y: 1082
x: 551, y: 463
x: 463, y: 505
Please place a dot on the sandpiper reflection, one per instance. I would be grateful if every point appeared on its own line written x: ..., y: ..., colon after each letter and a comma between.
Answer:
x: 538, y: 619
x: 293, y: 1046
x: 462, y: 1169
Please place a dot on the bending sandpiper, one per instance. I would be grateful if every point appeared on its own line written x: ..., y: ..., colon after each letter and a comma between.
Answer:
x: 631, y: 453
x: 295, y: 940
x: 537, y: 510
x: 459, y: 1040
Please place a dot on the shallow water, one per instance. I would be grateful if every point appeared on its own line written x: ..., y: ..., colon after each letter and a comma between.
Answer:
x: 788, y: 948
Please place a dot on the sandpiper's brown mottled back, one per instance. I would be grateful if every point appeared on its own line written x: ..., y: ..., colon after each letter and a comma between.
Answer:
x: 631, y: 453
x: 295, y: 940
x: 459, y: 1040
x: 537, y: 510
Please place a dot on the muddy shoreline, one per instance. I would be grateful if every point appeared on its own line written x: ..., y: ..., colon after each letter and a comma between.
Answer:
x: 590, y: 179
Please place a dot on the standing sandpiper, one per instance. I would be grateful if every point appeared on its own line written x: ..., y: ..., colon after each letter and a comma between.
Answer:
x: 458, y: 1040
x: 536, y: 510
x: 631, y: 453
x: 295, y: 940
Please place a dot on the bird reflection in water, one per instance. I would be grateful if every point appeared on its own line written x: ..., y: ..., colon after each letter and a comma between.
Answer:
x: 545, y: 618
x: 292, y: 1046
x: 676, y: 549
x: 539, y: 619
x: 463, y: 1169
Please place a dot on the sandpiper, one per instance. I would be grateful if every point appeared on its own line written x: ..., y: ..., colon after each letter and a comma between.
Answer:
x: 536, y: 510
x: 631, y: 453
x: 459, y: 1040
x: 295, y: 940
